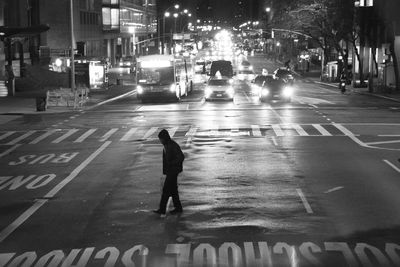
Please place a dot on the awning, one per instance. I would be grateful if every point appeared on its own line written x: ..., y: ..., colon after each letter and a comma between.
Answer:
x: 7, y: 32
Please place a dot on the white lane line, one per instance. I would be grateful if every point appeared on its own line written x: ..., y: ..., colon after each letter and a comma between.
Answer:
x: 40, y: 202
x: 350, y: 134
x: 392, y: 165
x: 43, y: 136
x: 214, y: 131
x: 128, y: 135
x: 256, y: 130
x: 21, y: 219
x: 276, y: 114
x: 274, y: 141
x: 65, y: 136
x: 188, y: 142
x: 108, y: 134
x: 150, y: 132
x: 304, y: 200
x: 234, y: 131
x: 22, y: 137
x: 389, y: 135
x: 277, y: 129
x: 299, y: 130
x: 334, y: 189
x: 383, y: 142
x: 192, y: 131
x: 7, y: 134
x: 322, y: 130
x: 172, y: 131
x: 8, y: 151
x: 76, y: 171
x: 84, y: 136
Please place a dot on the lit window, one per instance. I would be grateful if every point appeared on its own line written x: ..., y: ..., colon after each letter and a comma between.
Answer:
x: 110, y: 18
x: 365, y: 3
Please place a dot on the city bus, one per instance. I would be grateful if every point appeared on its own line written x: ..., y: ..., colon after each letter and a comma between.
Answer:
x: 164, y: 77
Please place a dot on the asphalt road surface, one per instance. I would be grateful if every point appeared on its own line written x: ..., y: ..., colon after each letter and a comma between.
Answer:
x: 314, y: 182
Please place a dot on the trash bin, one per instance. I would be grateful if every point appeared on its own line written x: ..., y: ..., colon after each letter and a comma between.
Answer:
x: 40, y: 103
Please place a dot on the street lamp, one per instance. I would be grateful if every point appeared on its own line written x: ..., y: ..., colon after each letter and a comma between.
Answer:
x: 176, y: 15
x: 267, y: 9
x: 167, y: 14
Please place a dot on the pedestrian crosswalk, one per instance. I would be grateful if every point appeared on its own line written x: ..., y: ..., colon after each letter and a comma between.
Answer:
x: 57, y: 136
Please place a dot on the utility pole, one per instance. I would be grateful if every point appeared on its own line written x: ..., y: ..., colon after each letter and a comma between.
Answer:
x: 146, y: 45
x: 73, y: 89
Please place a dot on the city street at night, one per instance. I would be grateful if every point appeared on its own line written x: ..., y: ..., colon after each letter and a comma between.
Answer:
x: 199, y: 133
x: 315, y: 180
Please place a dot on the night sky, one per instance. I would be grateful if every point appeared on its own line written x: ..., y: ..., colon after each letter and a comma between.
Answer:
x: 235, y: 11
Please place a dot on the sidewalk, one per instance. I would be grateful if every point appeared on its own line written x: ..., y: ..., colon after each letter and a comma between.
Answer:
x: 25, y: 103
x: 393, y: 96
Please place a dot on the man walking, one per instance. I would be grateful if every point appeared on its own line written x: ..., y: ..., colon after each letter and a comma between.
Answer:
x: 172, y: 166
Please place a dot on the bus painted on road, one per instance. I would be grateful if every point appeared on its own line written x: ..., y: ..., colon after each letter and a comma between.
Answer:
x: 163, y: 77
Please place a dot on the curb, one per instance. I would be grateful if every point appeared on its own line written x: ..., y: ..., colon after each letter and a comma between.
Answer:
x: 362, y: 93
x: 111, y: 100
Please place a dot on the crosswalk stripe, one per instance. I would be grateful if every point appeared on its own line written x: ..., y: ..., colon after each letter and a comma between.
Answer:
x: 322, y: 130
x: 108, y: 134
x: 256, y: 130
x: 129, y: 134
x: 43, y: 136
x: 214, y: 131
x: 300, y: 130
x: 150, y: 132
x: 277, y: 129
x: 22, y: 137
x: 85, y: 135
x: 172, y: 131
x: 343, y: 129
x: 192, y: 131
x: 65, y: 136
x: 7, y: 134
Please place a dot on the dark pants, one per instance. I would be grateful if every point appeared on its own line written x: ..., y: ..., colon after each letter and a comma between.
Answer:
x: 170, y: 189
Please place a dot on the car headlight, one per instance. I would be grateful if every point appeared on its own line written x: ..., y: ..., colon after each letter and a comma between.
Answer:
x: 287, y: 91
x: 230, y: 91
x: 251, y: 68
x: 173, y: 88
x: 121, y: 64
x: 139, y: 89
x: 207, y: 92
x: 264, y: 92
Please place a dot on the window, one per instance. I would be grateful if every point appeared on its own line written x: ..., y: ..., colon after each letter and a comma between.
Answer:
x: 110, y: 18
x: 86, y: 4
x: 366, y: 2
x: 110, y: 2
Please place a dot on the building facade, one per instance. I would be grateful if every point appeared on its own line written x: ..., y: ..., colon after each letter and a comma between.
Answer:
x: 102, y: 29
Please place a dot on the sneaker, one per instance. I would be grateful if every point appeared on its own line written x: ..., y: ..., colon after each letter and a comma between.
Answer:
x: 176, y: 211
x: 162, y: 214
